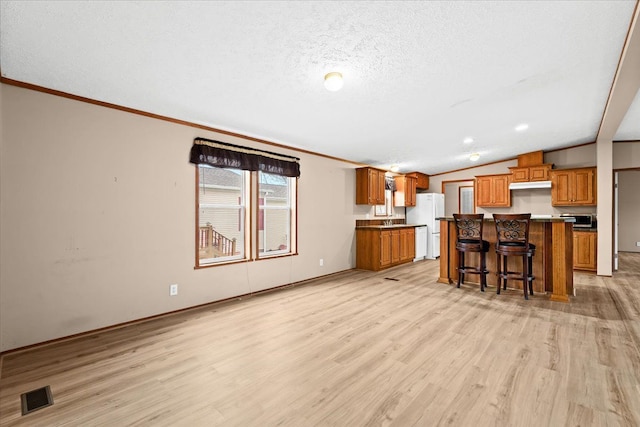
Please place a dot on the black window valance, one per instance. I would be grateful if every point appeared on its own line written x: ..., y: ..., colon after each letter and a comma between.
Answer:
x: 225, y: 155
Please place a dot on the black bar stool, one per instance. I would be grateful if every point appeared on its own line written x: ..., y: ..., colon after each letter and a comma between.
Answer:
x: 512, y: 239
x: 469, y: 239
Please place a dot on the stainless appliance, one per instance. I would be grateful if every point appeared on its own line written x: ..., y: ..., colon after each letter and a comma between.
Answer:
x: 582, y: 220
x: 429, y: 206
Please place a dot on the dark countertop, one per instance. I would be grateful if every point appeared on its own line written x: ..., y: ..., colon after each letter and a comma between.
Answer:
x: 534, y: 218
x: 388, y: 227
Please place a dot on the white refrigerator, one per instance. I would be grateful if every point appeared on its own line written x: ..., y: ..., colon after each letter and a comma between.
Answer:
x: 429, y: 206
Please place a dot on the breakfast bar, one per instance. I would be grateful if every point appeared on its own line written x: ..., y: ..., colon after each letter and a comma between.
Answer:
x: 552, y: 263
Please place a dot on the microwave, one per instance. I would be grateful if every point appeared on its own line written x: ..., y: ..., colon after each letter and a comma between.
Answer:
x: 582, y: 220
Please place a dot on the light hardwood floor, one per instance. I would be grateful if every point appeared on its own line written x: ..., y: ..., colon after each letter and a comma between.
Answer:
x: 354, y: 349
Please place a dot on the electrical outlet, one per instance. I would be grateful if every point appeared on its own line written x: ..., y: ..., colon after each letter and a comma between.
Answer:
x: 321, y: 262
x: 638, y: 244
x: 173, y: 290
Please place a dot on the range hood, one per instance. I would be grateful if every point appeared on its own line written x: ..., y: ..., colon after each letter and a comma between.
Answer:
x: 529, y: 185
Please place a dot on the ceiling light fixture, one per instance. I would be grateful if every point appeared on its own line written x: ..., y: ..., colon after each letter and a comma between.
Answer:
x: 468, y: 140
x: 394, y: 168
x: 474, y: 157
x: 333, y: 81
x: 521, y: 127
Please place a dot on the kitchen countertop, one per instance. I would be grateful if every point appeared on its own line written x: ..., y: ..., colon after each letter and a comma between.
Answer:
x: 534, y: 218
x: 388, y: 227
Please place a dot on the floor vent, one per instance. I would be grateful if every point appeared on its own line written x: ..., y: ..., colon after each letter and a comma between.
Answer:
x: 36, y: 399
x: 391, y: 278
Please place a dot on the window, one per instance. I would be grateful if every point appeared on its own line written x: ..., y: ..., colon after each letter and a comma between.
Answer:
x: 275, y: 214
x: 465, y: 199
x: 243, y: 214
x: 221, y: 214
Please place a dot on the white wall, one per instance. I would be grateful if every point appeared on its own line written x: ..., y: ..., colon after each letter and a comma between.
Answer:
x: 626, y: 155
x: 452, y: 199
x: 435, y: 181
x: 629, y: 210
x: 98, y: 219
x: 576, y: 157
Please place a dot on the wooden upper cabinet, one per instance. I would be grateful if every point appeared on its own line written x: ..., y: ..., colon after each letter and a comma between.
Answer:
x: 405, y: 194
x: 501, y: 192
x: 493, y: 190
x: 370, y: 186
x: 483, y: 191
x: 585, y: 187
x: 539, y: 173
x: 560, y: 188
x: 519, y: 174
x: 531, y: 168
x: 422, y: 182
x: 530, y: 173
x: 573, y: 187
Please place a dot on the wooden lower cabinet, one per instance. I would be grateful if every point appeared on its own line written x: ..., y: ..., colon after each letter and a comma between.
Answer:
x: 380, y: 248
x: 585, y: 249
x: 407, y: 244
x: 385, y: 251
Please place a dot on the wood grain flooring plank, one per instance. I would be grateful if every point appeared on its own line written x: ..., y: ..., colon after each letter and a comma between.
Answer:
x: 353, y: 349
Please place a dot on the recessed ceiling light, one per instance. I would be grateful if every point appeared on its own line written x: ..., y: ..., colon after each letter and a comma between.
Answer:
x: 394, y: 168
x: 333, y: 81
x: 474, y: 157
x: 522, y: 126
x: 468, y: 140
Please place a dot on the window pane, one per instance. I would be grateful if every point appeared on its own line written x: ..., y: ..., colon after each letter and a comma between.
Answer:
x: 221, y: 214
x: 221, y: 233
x: 275, y: 235
x: 274, y: 217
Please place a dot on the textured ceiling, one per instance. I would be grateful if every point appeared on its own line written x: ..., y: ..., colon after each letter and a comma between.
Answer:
x: 419, y: 76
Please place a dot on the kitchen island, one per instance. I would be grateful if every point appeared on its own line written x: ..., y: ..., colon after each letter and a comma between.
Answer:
x: 552, y: 263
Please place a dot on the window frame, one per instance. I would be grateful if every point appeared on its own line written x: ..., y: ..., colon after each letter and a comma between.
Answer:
x: 291, y: 219
x: 243, y: 213
x: 251, y: 210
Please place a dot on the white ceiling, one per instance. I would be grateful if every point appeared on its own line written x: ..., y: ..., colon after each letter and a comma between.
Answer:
x: 419, y: 76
